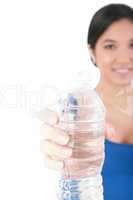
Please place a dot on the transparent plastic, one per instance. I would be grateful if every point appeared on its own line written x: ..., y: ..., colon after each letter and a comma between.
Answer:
x: 119, y: 107
x: 82, y: 114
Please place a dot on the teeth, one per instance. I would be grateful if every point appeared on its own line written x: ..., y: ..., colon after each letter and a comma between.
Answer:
x: 122, y: 70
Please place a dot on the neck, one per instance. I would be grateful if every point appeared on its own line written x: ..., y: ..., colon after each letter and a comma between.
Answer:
x: 122, y: 122
x: 108, y: 90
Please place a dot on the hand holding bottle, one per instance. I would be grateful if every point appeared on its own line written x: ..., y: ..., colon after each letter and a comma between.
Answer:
x: 79, y: 156
x: 54, y: 141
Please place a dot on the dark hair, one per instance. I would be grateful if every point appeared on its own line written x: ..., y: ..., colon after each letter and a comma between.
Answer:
x: 104, y: 17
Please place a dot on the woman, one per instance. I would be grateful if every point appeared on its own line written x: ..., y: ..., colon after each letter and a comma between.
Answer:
x: 110, y: 43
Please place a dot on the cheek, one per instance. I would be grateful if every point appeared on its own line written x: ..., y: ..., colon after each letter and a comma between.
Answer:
x: 103, y: 60
x: 104, y: 63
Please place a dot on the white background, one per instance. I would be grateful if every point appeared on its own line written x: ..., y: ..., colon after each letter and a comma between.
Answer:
x: 42, y: 43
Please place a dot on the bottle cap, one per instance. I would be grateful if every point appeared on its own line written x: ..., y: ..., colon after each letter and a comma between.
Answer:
x: 89, y: 78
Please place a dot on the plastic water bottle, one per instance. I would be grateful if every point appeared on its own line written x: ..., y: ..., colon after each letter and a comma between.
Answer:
x: 82, y: 115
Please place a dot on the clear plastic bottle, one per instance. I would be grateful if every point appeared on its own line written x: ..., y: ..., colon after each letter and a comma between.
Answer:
x: 82, y: 115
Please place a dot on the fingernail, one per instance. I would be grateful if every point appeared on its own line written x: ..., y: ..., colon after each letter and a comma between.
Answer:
x: 52, y: 119
x: 48, y: 116
x: 67, y: 152
x: 64, y: 139
x: 60, y: 165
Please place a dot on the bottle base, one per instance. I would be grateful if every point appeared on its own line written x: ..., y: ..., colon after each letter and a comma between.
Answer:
x: 89, y: 188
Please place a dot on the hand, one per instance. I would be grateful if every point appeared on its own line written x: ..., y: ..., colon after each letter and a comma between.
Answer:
x: 54, y: 141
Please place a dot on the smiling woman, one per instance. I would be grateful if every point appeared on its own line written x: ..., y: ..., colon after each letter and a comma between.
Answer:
x: 112, y: 49
x: 113, y: 53
x: 110, y: 43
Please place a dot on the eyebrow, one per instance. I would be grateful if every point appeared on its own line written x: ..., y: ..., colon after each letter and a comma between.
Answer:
x: 114, y: 41
x: 109, y: 40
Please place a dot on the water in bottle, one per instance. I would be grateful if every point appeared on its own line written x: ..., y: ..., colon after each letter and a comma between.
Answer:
x: 82, y: 116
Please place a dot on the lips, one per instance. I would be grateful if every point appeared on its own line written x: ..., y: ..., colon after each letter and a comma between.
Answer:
x: 123, y: 71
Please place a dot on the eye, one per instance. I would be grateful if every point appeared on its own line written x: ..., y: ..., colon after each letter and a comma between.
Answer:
x: 131, y: 45
x: 109, y: 46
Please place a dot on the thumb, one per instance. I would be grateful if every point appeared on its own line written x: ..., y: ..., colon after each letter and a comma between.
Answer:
x: 48, y: 116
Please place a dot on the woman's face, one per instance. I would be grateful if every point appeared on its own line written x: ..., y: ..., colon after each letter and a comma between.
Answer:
x: 114, y: 53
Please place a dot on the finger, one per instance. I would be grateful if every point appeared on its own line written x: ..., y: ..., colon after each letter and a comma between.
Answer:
x: 52, y: 163
x: 54, y: 134
x: 54, y: 150
x: 48, y: 116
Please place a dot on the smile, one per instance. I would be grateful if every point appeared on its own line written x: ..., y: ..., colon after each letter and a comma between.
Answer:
x: 123, y: 71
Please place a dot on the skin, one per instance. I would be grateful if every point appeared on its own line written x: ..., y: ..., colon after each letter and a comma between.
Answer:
x: 113, y: 53
x: 113, y: 50
x: 118, y: 53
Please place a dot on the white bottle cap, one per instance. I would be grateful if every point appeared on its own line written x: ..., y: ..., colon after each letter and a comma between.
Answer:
x: 88, y: 77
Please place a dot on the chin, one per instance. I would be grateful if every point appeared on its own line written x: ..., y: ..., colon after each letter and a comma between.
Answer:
x: 124, y: 82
